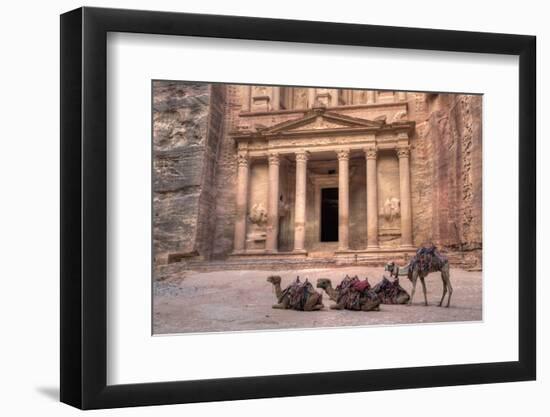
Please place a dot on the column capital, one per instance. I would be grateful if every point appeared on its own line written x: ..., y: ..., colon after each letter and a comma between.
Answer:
x: 403, y: 151
x: 273, y: 158
x: 371, y: 152
x: 343, y: 154
x: 242, y: 159
x: 302, y: 156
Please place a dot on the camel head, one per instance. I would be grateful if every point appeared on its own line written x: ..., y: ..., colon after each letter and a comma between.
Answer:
x: 274, y: 279
x: 324, y: 283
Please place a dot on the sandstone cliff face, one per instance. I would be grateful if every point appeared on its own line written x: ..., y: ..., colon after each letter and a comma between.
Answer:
x: 187, y: 128
x: 195, y: 166
x: 447, y: 175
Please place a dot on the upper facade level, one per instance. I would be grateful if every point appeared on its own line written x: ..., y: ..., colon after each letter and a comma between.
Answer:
x: 261, y: 99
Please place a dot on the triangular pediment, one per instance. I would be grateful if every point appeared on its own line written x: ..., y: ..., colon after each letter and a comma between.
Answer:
x: 323, y: 121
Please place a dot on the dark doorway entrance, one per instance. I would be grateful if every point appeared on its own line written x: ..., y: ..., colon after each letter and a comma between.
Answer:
x: 329, y: 215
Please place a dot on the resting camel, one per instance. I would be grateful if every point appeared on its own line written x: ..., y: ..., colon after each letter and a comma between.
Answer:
x: 297, y: 296
x: 426, y: 261
x: 390, y: 292
x: 347, y: 297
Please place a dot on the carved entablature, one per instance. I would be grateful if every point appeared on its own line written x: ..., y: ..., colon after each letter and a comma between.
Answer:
x: 320, y: 130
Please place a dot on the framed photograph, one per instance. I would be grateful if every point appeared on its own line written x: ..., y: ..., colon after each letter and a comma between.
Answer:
x: 257, y: 208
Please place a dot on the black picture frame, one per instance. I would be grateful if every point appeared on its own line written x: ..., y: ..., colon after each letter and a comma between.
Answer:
x: 84, y: 207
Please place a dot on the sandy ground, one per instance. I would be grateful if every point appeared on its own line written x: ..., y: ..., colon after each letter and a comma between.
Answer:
x: 241, y: 300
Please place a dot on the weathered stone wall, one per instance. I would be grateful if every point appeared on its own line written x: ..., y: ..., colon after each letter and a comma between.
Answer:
x: 226, y: 175
x: 187, y: 128
x: 447, y: 174
x: 206, y: 217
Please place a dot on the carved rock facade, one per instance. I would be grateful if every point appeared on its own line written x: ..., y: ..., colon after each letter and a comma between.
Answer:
x: 413, y: 162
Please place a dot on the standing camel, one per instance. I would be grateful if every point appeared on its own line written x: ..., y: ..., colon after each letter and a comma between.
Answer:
x: 426, y: 261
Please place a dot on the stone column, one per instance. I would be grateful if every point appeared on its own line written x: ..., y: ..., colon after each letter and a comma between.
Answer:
x: 311, y: 97
x: 372, y: 198
x: 246, y: 98
x: 334, y: 97
x: 370, y: 97
x: 242, y: 201
x: 276, y: 97
x: 273, y: 204
x: 300, y: 208
x: 349, y: 97
x: 405, y: 194
x: 343, y: 199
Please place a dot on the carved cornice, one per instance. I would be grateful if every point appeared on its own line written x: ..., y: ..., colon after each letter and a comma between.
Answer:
x: 402, y: 136
x: 343, y: 154
x: 371, y: 152
x: 403, y: 151
x: 273, y: 158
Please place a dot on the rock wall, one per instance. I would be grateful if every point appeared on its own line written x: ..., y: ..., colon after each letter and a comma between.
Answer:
x: 226, y: 174
x: 187, y: 129
x: 447, y: 175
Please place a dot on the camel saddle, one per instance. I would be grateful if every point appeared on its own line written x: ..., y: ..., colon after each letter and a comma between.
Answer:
x: 427, y: 258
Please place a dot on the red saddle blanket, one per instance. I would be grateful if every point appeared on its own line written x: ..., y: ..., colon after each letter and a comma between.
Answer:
x: 361, y: 285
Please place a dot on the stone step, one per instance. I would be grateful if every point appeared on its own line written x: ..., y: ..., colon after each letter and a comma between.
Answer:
x: 313, y: 260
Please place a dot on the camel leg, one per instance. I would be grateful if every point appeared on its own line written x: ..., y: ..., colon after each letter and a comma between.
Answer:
x: 424, y: 290
x: 310, y: 304
x: 370, y: 307
x: 444, y: 290
x: 414, y: 278
x: 313, y: 304
x: 337, y: 306
x: 283, y: 305
x: 449, y: 286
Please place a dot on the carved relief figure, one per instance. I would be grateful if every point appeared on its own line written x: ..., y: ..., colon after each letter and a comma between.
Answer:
x: 392, y: 209
x: 300, y: 98
x: 258, y: 214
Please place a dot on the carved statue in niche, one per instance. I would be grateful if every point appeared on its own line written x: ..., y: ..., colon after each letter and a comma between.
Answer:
x: 258, y: 214
x: 391, y: 209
